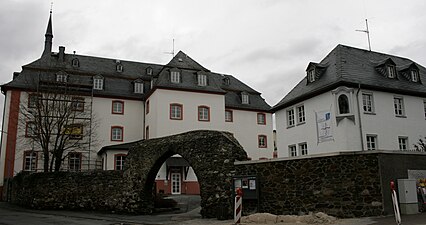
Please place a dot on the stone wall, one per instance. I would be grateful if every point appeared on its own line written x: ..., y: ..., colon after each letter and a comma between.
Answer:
x: 345, y: 185
x: 96, y: 190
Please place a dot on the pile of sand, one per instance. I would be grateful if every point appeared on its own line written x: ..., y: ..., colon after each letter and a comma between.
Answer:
x: 267, y: 218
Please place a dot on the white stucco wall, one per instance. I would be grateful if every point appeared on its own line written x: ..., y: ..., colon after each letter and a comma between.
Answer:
x: 347, y: 133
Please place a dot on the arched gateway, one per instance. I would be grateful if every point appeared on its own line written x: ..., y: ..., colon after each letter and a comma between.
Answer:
x: 210, y: 153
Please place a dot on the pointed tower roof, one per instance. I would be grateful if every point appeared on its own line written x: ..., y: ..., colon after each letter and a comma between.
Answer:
x: 48, y: 37
x: 183, y: 61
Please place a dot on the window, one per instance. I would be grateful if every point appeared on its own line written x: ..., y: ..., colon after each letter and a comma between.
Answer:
x: 300, y: 114
x: 116, y: 133
x: 75, y: 63
x: 202, y: 80
x: 75, y: 131
x: 229, y: 116
x: 371, y: 142
x: 244, y: 98
x: 226, y: 81
x: 343, y: 104
x: 311, y: 75
x: 139, y: 87
x: 262, y: 141
x: 117, y: 107
x: 414, y: 75
x: 292, y: 152
x: 303, y: 149
x: 203, y: 113
x: 261, y: 118
x: 175, y: 76
x: 424, y: 105
x: 30, y: 161
x: 391, y: 71
x: 119, y: 161
x: 98, y: 83
x: 147, y: 132
x: 367, y: 102
x: 398, y: 103
x: 119, y: 67
x: 403, y: 143
x: 33, y: 100
x: 31, y: 129
x: 176, y: 111
x: 77, y: 104
x: 74, y: 161
x: 147, y: 107
x: 149, y: 71
x: 290, y: 117
x: 61, y: 78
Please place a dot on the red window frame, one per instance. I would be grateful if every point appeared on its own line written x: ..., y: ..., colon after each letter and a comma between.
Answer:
x: 69, y: 159
x: 264, y: 118
x: 122, y: 107
x: 115, y: 161
x: 232, y: 115
x: 208, y: 113
x: 26, y: 129
x: 75, y: 101
x: 265, y: 140
x: 28, y: 152
x: 147, y: 107
x: 181, y: 111
x: 122, y: 132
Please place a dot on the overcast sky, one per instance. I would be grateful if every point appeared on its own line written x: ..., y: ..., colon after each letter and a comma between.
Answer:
x: 265, y: 43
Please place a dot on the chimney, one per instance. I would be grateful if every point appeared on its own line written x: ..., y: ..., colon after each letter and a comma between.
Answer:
x: 61, y: 53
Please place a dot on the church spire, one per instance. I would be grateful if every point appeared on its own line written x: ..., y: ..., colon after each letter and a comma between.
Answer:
x: 48, y: 36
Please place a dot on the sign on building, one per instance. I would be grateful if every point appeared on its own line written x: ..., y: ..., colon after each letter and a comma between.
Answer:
x: 324, y: 127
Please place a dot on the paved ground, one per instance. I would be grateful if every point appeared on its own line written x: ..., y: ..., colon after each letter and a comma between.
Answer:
x: 187, y: 215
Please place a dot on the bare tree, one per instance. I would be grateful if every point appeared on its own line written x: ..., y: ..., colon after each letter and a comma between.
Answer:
x: 59, y: 121
x: 421, y: 145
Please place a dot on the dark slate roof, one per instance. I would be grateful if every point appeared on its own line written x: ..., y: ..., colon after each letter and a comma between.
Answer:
x: 120, y: 84
x: 355, y: 67
x: 124, y: 146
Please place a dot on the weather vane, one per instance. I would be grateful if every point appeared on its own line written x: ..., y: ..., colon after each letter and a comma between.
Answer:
x: 368, y: 34
x: 51, y: 7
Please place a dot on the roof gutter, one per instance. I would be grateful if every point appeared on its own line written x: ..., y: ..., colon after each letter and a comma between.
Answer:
x: 359, y: 118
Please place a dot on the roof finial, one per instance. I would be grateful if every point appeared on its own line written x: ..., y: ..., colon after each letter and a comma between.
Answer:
x: 173, y: 50
x: 368, y: 34
x: 49, y: 35
x: 51, y: 7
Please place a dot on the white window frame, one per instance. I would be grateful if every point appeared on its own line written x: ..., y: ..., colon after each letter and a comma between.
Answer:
x: 203, y: 113
x: 61, y: 78
x: 391, y: 71
x: 371, y: 141
x: 403, y: 143
x: 117, y: 134
x: 311, y: 75
x: 301, y: 117
x: 175, y: 77
x: 262, y: 141
x: 261, y: 118
x: 290, y: 117
x: 119, y: 161
x: 30, y: 160
x: 98, y: 83
x: 292, y: 151
x: 176, y: 111
x: 303, y: 148
x: 202, y: 80
x: 367, y: 102
x: 398, y: 103
x: 74, y: 161
x: 244, y: 98
x: 149, y: 71
x: 116, y: 109
x: 414, y: 75
x: 119, y: 67
x: 138, y: 87
x: 229, y: 117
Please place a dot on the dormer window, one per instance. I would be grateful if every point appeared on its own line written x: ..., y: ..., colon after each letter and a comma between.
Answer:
x: 98, y: 83
x: 244, y: 98
x: 311, y: 75
x: 61, y: 78
x: 226, y: 81
x: 75, y: 63
x: 138, y: 87
x: 149, y: 71
x: 175, y: 76
x: 414, y: 75
x: 202, y: 80
x: 391, y: 71
x: 119, y: 67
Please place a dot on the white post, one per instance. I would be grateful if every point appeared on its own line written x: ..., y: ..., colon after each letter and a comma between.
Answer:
x: 395, y: 204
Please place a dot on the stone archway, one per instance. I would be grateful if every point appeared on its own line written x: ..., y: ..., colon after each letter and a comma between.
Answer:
x: 210, y: 153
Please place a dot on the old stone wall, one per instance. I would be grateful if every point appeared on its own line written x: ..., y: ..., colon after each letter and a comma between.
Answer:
x: 345, y: 185
x: 96, y: 190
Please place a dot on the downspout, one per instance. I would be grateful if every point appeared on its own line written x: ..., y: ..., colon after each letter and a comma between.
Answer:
x: 359, y: 117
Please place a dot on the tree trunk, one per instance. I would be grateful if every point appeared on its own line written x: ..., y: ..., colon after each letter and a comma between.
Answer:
x: 46, y: 162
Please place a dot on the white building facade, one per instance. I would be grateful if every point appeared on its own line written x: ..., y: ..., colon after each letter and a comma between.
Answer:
x: 368, y: 101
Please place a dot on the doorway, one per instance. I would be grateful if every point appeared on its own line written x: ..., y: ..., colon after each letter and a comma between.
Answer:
x: 176, y: 183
